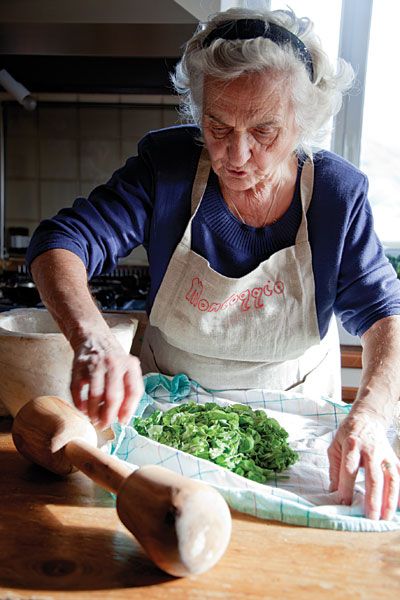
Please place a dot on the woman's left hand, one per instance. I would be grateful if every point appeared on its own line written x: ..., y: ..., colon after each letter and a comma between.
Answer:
x: 361, y: 441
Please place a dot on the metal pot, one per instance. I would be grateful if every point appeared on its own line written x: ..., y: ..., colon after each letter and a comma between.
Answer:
x: 22, y: 293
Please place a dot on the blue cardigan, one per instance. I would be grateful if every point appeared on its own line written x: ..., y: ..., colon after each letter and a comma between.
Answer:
x: 147, y: 202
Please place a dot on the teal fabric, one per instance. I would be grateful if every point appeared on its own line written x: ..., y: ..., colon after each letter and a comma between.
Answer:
x: 303, y: 498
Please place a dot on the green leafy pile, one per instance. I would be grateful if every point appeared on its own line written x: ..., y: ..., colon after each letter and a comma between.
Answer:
x: 243, y: 440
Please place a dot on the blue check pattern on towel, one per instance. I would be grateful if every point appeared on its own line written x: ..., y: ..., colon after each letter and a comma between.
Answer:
x: 303, y: 498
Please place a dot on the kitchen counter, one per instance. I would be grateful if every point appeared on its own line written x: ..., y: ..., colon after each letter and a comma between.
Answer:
x: 62, y: 539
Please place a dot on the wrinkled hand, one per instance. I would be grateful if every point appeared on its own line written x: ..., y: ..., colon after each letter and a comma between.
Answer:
x: 111, y: 378
x: 361, y: 441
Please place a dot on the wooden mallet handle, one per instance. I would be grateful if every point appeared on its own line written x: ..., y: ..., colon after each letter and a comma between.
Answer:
x: 182, y: 524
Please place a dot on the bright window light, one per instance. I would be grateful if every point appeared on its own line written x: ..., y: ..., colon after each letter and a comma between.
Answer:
x: 380, y: 143
x: 326, y: 19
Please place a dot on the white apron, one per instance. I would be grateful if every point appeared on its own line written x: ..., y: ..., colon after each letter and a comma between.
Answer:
x: 256, y: 331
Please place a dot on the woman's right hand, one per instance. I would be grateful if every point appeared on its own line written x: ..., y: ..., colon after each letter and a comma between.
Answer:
x: 107, y: 382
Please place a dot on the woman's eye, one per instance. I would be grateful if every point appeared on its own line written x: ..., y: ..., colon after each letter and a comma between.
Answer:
x: 264, y: 133
x: 265, y: 136
x: 219, y: 132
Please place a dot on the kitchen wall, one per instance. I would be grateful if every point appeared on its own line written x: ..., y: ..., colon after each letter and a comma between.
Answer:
x: 61, y: 151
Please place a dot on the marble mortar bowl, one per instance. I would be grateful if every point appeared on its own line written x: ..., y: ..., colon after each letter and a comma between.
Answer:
x: 36, y: 358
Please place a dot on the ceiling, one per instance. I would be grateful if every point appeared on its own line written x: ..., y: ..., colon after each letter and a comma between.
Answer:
x: 94, y: 27
x: 103, y: 45
x: 96, y: 11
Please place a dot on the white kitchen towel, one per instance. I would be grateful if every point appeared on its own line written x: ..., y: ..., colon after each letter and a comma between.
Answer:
x: 303, y: 498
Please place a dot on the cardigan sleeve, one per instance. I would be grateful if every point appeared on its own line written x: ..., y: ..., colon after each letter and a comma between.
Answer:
x: 368, y: 288
x: 110, y: 223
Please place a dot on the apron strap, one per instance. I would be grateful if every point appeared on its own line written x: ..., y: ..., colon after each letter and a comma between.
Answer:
x: 306, y: 192
x: 307, y: 183
x: 198, y: 189
x: 200, y: 180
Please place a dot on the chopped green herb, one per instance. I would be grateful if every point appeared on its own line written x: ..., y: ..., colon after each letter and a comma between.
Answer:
x: 243, y: 440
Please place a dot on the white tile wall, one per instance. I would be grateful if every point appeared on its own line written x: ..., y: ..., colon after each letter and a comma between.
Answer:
x: 136, y: 122
x: 58, y: 159
x: 22, y: 158
x: 60, y: 152
x: 99, y: 123
x: 23, y: 197
x: 55, y: 195
x: 99, y: 159
x: 58, y: 122
x: 23, y: 123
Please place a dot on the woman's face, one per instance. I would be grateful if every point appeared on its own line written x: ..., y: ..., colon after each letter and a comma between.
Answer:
x: 249, y: 128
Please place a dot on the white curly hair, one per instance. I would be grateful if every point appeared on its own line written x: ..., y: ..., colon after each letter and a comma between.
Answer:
x: 314, y: 102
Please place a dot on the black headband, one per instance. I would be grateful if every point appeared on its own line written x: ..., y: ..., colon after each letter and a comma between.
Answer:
x: 246, y: 29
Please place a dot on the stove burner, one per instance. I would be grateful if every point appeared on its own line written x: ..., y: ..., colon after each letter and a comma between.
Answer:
x: 125, y: 288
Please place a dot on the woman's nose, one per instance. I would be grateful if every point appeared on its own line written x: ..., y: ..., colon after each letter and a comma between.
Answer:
x: 238, y: 150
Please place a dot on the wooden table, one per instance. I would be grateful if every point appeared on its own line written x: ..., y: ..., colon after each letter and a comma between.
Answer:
x: 62, y: 539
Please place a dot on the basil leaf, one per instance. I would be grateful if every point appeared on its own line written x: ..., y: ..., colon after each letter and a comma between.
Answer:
x: 235, y: 437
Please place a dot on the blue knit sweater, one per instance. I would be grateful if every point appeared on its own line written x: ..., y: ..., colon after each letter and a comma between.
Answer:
x: 147, y: 202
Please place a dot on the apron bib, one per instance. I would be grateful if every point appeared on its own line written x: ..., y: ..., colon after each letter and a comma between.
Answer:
x: 255, y: 331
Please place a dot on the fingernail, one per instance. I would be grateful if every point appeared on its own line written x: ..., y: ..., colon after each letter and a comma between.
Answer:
x: 123, y: 419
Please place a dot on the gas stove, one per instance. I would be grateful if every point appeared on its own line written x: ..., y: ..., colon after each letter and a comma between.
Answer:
x: 123, y: 289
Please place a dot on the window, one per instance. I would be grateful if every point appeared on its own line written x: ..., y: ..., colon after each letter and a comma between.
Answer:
x: 325, y: 16
x: 380, y: 142
x: 326, y: 19
x: 367, y: 131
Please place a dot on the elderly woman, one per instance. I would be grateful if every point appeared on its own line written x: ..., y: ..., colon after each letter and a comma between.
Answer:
x: 254, y: 243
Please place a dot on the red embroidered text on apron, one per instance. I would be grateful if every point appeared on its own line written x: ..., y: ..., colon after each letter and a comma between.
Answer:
x: 245, y: 300
x: 256, y: 331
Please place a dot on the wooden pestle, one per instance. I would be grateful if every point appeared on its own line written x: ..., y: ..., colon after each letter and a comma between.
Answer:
x: 183, y: 525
